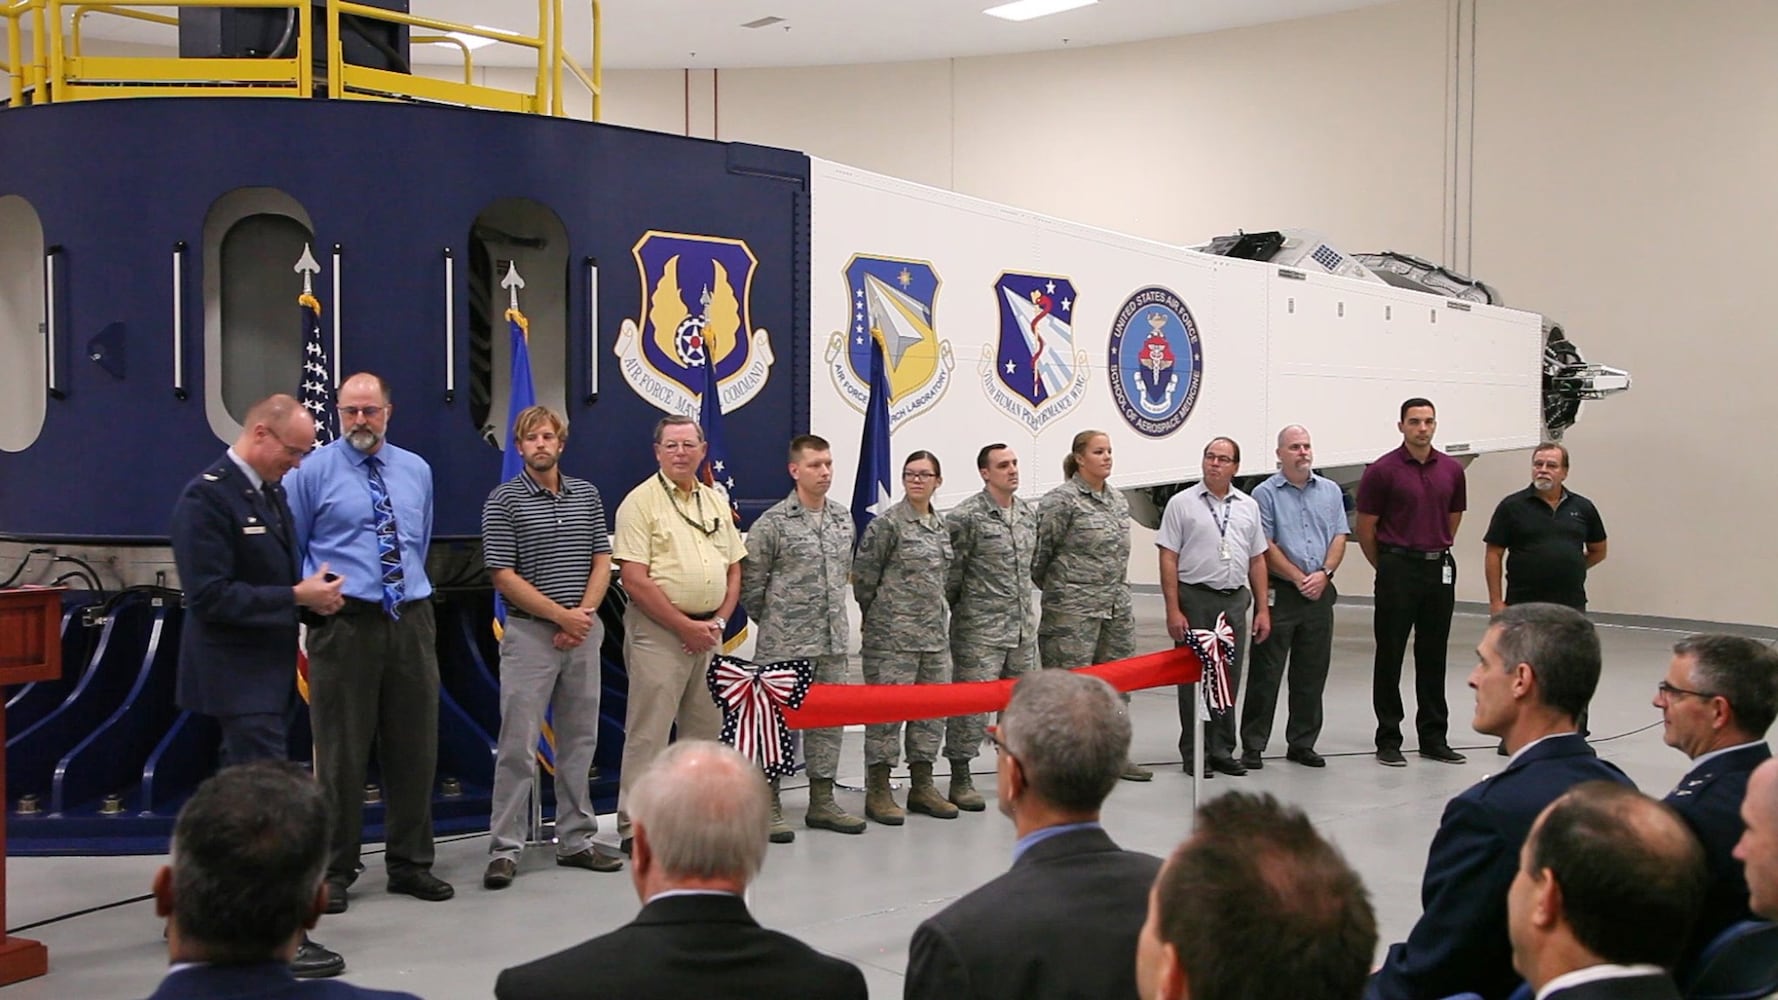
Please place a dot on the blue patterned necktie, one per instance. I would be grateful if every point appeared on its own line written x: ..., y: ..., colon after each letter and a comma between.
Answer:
x: 388, y: 542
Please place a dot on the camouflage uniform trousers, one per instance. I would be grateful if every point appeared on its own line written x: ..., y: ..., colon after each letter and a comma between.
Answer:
x: 821, y: 747
x: 1068, y: 641
x: 977, y: 661
x: 882, y: 741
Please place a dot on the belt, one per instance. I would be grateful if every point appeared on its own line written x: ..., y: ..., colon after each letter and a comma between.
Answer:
x: 1397, y: 550
x: 354, y: 606
x: 700, y: 616
x: 526, y: 616
x: 1229, y: 592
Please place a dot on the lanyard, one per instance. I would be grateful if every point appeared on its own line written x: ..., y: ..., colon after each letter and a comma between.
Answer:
x: 1222, y: 523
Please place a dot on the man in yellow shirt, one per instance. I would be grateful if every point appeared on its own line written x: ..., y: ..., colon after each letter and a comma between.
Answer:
x: 679, y: 555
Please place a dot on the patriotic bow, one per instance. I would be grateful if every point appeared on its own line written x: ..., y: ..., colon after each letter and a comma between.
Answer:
x: 1216, y: 649
x: 752, y: 697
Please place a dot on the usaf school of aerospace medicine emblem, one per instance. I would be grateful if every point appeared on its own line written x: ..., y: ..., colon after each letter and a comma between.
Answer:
x: 1034, y: 374
x: 1156, y: 363
x: 696, y: 295
x: 892, y: 299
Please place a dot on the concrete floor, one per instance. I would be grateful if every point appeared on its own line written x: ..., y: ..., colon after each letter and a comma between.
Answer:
x: 861, y: 897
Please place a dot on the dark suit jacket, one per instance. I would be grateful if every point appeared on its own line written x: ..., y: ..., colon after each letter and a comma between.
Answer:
x: 237, y: 563
x: 1709, y: 799
x: 1459, y: 943
x: 705, y: 946
x: 1062, y: 922
x: 267, y: 980
x: 1659, y: 987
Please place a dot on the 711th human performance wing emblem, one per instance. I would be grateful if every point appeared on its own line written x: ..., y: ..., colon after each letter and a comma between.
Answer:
x: 1034, y: 373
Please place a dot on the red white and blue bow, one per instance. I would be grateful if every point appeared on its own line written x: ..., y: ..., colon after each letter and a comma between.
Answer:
x: 1216, y: 651
x: 753, y: 697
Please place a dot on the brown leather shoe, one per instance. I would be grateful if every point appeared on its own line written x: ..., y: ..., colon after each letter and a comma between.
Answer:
x: 591, y: 860
x: 500, y: 873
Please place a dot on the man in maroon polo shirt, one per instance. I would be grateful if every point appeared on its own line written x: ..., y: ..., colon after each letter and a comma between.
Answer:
x: 1410, y: 502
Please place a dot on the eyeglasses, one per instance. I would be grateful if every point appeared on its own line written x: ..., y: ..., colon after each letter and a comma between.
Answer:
x: 1668, y: 690
x: 993, y: 734
x: 289, y: 449
x: 367, y: 412
x: 919, y: 477
x: 678, y: 446
x: 1220, y: 459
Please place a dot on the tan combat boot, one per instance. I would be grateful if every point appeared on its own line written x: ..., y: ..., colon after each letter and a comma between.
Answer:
x: 879, y: 801
x: 963, y: 794
x: 825, y: 814
x: 923, y: 795
x: 781, y: 832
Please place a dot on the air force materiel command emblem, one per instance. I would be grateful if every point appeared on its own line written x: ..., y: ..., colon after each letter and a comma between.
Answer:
x: 1157, y: 364
x: 695, y: 291
x: 895, y: 299
x: 1034, y: 374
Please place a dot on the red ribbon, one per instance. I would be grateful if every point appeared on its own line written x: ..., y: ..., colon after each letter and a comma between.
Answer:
x: 828, y: 705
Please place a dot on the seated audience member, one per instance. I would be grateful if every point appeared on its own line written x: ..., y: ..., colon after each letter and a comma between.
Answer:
x: 245, y: 883
x: 1717, y: 701
x: 1609, y: 881
x: 1255, y: 905
x: 699, y: 819
x: 1537, y: 668
x: 1063, y: 921
x: 1758, y: 849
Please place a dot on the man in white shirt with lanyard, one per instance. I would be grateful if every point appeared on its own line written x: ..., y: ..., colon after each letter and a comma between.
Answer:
x: 1212, y: 552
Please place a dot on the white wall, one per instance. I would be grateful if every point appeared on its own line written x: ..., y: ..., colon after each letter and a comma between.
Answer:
x: 1608, y: 162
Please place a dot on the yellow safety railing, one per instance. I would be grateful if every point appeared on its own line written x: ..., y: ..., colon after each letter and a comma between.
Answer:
x: 468, y: 60
x: 593, y: 81
x: 55, y: 66
x: 347, y: 80
x: 82, y: 77
x: 84, y: 9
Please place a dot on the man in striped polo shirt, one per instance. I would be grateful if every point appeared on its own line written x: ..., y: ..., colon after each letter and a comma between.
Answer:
x: 545, y: 546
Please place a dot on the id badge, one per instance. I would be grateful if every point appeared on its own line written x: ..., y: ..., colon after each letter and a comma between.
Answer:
x: 1447, y: 574
x: 1271, y: 598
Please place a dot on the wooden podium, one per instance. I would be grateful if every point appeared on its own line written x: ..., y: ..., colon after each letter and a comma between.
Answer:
x: 30, y: 650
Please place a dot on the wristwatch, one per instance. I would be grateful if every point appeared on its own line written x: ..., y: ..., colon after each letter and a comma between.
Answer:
x: 720, y: 621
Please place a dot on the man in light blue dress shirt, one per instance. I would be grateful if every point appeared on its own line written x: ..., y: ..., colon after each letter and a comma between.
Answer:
x: 363, y: 507
x: 1304, y: 518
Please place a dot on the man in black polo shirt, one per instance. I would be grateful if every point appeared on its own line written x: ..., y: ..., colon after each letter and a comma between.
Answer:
x: 1410, y: 502
x: 545, y: 546
x: 1546, y: 538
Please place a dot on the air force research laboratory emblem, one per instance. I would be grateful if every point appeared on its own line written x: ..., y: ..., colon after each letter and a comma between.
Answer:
x: 896, y: 300
x: 1156, y: 362
x: 695, y: 291
x: 1034, y: 373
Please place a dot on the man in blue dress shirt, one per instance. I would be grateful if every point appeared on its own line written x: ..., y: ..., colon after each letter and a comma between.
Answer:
x: 1304, y: 518
x: 364, y: 507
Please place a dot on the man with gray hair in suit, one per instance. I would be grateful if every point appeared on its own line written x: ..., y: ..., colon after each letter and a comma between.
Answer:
x: 700, y: 818
x: 1063, y: 921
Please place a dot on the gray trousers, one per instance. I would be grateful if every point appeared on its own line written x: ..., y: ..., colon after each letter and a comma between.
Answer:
x: 536, y: 677
x: 821, y: 747
x: 1201, y: 607
x: 882, y: 740
x: 977, y: 661
x: 372, y: 679
x: 1302, y: 633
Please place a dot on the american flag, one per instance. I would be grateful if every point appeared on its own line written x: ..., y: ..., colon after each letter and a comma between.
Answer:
x: 315, y: 392
x: 1216, y: 650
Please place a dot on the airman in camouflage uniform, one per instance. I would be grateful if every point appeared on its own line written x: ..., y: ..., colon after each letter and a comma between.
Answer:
x: 793, y: 583
x: 898, y: 576
x: 993, y: 636
x: 1082, y: 567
